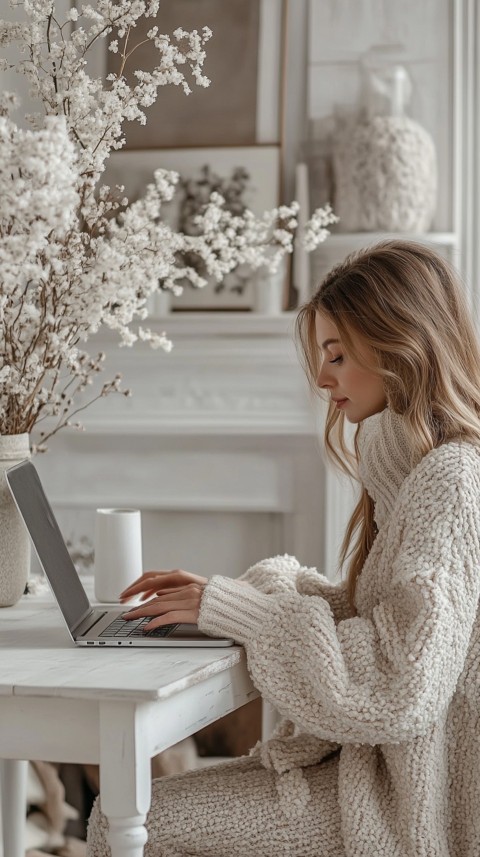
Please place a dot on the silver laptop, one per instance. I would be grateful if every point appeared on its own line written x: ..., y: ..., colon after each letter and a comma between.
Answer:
x: 88, y: 626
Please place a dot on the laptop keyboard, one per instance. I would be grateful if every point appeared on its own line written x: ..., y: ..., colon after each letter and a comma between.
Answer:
x: 122, y: 628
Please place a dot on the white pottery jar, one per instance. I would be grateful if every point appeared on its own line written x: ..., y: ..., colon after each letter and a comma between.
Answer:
x: 14, y: 538
x: 159, y: 304
x: 269, y: 291
x: 162, y: 303
x: 385, y: 176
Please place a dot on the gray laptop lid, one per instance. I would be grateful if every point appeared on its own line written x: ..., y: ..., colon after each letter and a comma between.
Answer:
x: 27, y: 490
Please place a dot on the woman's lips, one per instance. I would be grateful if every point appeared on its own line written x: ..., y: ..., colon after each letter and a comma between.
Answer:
x: 340, y: 402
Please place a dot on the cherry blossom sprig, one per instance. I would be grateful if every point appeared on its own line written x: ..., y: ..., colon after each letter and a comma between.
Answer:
x: 74, y: 255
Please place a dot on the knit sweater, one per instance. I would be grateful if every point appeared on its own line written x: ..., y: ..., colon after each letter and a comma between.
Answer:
x: 396, y: 687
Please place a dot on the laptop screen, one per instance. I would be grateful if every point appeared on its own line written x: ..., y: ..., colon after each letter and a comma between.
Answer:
x: 48, y: 541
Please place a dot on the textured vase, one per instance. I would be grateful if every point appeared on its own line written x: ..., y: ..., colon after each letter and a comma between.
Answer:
x: 385, y: 176
x: 14, y: 539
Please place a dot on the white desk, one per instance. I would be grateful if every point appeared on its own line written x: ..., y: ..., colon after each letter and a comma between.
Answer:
x: 113, y: 707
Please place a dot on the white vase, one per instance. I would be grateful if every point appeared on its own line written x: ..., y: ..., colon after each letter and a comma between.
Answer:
x: 159, y: 304
x: 385, y: 176
x: 269, y: 291
x: 14, y: 539
x: 162, y: 302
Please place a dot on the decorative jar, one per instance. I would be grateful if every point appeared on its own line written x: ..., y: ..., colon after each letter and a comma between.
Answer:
x: 14, y: 538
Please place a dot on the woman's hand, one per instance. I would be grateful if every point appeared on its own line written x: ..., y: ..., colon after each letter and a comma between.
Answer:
x: 175, y: 596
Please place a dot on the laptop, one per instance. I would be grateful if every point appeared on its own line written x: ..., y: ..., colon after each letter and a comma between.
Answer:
x: 88, y: 626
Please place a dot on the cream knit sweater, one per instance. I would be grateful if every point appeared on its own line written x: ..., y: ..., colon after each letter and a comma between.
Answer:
x: 397, y: 686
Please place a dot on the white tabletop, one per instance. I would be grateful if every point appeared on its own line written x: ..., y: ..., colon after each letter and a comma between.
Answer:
x: 113, y: 707
x: 39, y: 659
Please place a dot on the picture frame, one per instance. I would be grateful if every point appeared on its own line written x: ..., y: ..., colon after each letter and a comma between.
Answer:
x: 134, y: 171
x: 243, y: 104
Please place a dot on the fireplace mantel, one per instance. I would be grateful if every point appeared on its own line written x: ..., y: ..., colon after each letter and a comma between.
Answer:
x: 222, y: 427
x: 227, y: 373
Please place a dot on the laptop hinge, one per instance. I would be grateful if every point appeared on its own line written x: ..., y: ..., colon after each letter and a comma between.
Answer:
x: 88, y: 620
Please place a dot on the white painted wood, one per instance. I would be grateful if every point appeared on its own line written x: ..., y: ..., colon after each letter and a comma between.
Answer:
x: 338, y: 247
x: 301, y: 263
x: 42, y: 662
x: 211, y: 382
x: 221, y: 325
x: 269, y: 72
x: 69, y: 728
x: 294, y: 114
x: 125, y: 804
x: 59, y: 704
x: 345, y: 241
x: 127, y: 836
x: 466, y: 35
x: 13, y: 794
x: 473, y: 250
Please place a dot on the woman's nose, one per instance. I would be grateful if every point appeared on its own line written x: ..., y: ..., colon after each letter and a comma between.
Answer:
x: 322, y: 378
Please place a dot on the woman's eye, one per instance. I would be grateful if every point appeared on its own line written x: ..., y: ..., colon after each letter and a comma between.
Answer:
x: 336, y: 360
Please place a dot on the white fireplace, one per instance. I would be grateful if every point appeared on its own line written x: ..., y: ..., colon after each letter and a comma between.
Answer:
x: 218, y: 447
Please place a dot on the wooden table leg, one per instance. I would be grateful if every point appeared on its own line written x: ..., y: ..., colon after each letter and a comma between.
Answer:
x: 125, y: 777
x: 14, y: 798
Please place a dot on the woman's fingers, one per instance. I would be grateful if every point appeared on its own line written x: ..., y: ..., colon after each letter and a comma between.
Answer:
x: 166, y: 609
x: 189, y: 597
x: 149, y: 593
x: 149, y: 580
x: 166, y: 596
x: 172, y: 590
x: 153, y: 580
x: 191, y: 593
x: 176, y: 616
x: 155, y: 608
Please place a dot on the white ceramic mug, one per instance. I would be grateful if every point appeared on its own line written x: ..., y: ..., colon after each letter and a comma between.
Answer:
x: 118, y: 551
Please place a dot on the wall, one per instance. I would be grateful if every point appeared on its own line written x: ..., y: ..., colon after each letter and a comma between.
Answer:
x: 218, y: 445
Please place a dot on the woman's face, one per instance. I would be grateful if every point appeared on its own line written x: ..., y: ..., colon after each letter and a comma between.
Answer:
x: 357, y: 391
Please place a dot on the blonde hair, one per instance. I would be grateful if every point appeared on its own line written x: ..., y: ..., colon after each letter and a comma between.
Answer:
x: 408, y: 305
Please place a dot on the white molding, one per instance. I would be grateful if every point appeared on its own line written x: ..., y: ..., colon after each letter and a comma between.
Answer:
x: 463, y: 103
x: 269, y: 72
x: 466, y: 129
x: 198, y: 425
x: 222, y: 324
x: 294, y: 113
x: 363, y: 239
x: 214, y: 503
x: 458, y: 116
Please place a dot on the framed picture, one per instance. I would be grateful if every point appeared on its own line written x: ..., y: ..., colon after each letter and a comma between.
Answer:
x: 261, y: 164
x: 244, y: 62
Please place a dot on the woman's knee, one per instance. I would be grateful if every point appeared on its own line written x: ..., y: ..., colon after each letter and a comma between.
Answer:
x: 97, y: 845
x: 161, y: 823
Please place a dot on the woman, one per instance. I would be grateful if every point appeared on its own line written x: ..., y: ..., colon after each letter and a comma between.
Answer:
x: 378, y: 678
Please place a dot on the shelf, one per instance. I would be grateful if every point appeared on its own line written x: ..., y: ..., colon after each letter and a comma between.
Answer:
x: 215, y: 324
x: 364, y: 239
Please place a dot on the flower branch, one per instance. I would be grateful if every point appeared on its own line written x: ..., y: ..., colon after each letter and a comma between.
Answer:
x: 74, y: 255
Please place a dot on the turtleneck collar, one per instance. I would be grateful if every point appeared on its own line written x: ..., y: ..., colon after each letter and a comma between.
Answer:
x: 385, y: 459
